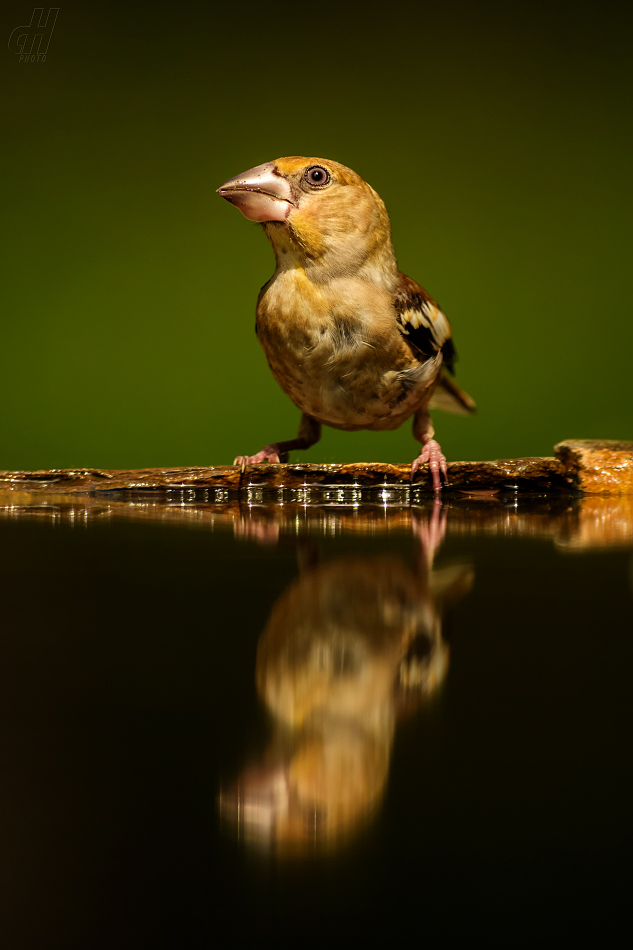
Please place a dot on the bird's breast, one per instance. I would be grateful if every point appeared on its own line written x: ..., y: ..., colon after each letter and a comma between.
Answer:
x: 339, y: 355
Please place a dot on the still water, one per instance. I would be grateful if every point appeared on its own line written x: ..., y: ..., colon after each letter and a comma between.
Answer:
x: 313, y: 720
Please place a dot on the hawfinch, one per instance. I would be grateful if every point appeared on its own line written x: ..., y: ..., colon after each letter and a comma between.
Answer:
x: 354, y: 342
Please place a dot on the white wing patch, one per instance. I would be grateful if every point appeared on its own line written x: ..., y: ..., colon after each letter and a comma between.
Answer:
x: 431, y: 318
x: 441, y: 328
x: 416, y: 318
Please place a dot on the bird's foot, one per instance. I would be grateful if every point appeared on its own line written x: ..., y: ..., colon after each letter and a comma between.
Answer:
x: 432, y: 454
x: 270, y: 453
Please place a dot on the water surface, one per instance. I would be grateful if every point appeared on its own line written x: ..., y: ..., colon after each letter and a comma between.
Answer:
x: 311, y: 720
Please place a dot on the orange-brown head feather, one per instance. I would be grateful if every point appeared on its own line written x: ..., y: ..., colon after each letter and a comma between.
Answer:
x: 319, y: 215
x: 337, y: 226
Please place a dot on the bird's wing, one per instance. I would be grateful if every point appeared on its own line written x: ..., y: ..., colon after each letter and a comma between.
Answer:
x: 422, y: 322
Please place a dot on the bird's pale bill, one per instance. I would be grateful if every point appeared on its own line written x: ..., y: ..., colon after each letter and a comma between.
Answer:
x: 260, y: 193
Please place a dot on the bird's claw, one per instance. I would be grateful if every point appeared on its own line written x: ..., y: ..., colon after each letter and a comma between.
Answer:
x: 432, y: 455
x: 270, y: 453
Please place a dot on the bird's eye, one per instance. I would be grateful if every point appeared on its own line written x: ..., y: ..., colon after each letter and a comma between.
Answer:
x: 316, y: 175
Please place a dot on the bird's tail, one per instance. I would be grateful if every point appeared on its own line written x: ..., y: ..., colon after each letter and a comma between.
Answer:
x: 449, y: 397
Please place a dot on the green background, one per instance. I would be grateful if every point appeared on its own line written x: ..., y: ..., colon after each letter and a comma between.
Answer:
x: 498, y: 134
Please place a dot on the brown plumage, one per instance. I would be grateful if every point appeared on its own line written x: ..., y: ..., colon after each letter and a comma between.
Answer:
x: 355, y: 343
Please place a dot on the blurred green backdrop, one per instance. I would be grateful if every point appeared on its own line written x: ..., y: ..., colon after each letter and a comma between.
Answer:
x: 498, y: 134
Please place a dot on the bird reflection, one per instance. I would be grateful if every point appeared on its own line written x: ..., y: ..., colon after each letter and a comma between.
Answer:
x: 349, y: 647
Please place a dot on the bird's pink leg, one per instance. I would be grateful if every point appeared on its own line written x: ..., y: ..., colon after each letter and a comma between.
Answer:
x: 431, y: 452
x: 309, y: 434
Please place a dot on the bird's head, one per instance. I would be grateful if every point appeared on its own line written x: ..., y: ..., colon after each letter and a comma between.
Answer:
x: 317, y: 214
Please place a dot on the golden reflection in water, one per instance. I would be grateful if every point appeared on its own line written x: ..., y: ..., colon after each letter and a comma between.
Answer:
x: 352, y: 644
x: 348, y: 648
x: 572, y: 523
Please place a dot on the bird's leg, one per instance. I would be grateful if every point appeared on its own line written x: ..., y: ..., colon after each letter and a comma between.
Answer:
x: 431, y: 452
x: 309, y: 433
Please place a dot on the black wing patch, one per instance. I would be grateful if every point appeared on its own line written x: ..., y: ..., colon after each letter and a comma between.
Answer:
x: 422, y: 322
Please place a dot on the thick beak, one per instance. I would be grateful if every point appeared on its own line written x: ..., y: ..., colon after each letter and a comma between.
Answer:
x: 261, y: 193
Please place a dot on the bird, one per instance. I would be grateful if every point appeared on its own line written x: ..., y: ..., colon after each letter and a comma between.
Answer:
x: 353, y: 341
